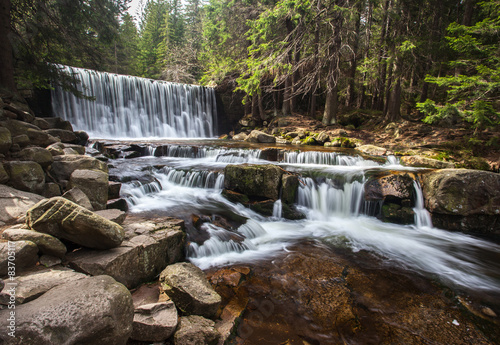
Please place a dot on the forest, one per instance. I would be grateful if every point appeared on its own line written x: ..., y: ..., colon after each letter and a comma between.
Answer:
x: 434, y: 60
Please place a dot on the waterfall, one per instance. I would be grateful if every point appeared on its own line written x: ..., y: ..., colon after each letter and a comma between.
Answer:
x: 133, y: 107
x: 422, y: 216
x: 326, y: 158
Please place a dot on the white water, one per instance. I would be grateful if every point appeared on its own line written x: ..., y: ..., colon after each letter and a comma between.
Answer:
x: 336, y: 214
x: 133, y: 107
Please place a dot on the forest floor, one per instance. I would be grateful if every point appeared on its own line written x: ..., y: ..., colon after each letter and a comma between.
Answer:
x: 459, y: 144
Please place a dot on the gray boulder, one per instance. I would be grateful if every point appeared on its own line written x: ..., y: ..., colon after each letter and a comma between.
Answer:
x: 51, y: 189
x: 94, y: 184
x: 40, y: 138
x: 26, y: 256
x: 64, y: 135
x: 240, y: 136
x: 196, y: 330
x: 78, y: 197
x: 190, y: 290
x: 93, y: 310
x: 46, y: 244
x: 372, y: 150
x: 58, y: 123
x: 14, y: 203
x: 425, y: 162
x: 26, y: 176
x: 154, y: 322
x: 64, y: 219
x: 63, y: 166
x: 113, y: 215
x: 256, y: 136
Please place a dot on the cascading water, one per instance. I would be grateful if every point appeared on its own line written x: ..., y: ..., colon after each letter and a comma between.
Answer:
x: 133, y: 107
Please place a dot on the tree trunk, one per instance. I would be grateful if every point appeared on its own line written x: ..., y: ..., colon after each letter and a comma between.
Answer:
x: 394, y: 109
x: 378, y: 94
x: 7, y: 81
x: 262, y: 113
x: 468, y: 11
x: 312, y: 109
x: 354, y: 62
x: 331, y: 107
x: 287, y: 109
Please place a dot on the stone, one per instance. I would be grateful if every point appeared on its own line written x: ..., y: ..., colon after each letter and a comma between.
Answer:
x: 323, y: 137
x: 282, y: 141
x: 17, y: 127
x: 26, y: 176
x: 22, y: 140
x: 5, y: 140
x: 26, y: 255
x: 372, y: 150
x: 82, y: 137
x: 81, y: 150
x: 289, y: 187
x: 14, y: 203
x: 296, y: 141
x: 260, y: 137
x: 58, y: 123
x: 94, y: 184
x: 64, y: 135
x: 394, y: 213
x: 46, y: 244
x: 113, y: 215
x: 40, y: 138
x: 190, y: 290
x: 32, y: 285
x: 36, y: 154
x: 425, y: 162
x: 114, y: 190
x: 92, y: 310
x: 49, y: 261
x: 23, y: 115
x: 196, y: 330
x: 292, y: 134
x: 63, y: 166
x: 4, y: 177
x: 41, y: 123
x: 391, y: 188
x: 463, y: 199
x: 240, y: 136
x: 139, y: 259
x: 254, y: 180
x: 154, y: 322
x: 76, y: 195
x: 64, y: 219
x: 56, y: 149
x: 51, y: 189
x: 119, y: 204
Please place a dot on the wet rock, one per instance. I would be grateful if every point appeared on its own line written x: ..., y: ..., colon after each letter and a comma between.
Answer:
x: 77, y: 196
x: 372, y: 150
x: 64, y: 219
x: 254, y: 180
x: 391, y: 188
x: 154, y: 322
x: 5, y: 140
x: 235, y: 197
x: 63, y: 166
x: 196, y: 330
x: 14, y: 203
x: 94, y: 184
x: 270, y: 154
x: 240, y: 136
x: 26, y: 176
x: 137, y: 260
x: 36, y: 154
x: 425, y: 162
x: 190, y: 290
x: 260, y: 137
x: 46, y: 244
x: 41, y: 138
x: 26, y: 255
x: 64, y: 135
x: 4, y: 177
x: 113, y: 215
x: 290, y: 184
x: 32, y: 285
x: 463, y: 199
x: 82, y: 137
x: 93, y: 310
x: 394, y: 213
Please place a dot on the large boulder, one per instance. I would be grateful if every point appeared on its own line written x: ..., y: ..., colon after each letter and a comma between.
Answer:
x: 64, y: 135
x: 26, y: 176
x: 190, y: 290
x: 4, y: 177
x: 137, y: 260
x: 5, y: 140
x: 25, y: 256
x: 425, y: 162
x: 93, y: 310
x: 14, y: 203
x: 154, y: 322
x: 372, y: 150
x: 41, y: 138
x: 262, y: 181
x: 47, y: 244
x: 64, y: 219
x: 463, y: 199
x: 94, y: 184
x: 78, y: 197
x: 57, y: 122
x: 63, y: 166
x: 260, y: 137
x: 36, y: 154
x: 391, y: 188
x: 196, y: 330
x: 17, y: 127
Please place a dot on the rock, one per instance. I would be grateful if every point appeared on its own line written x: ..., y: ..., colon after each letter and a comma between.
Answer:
x: 391, y: 188
x: 63, y: 166
x: 269, y: 154
x: 17, y: 127
x: 282, y: 141
x: 23, y: 115
x: 46, y: 244
x: 394, y: 213
x: 82, y: 137
x: 119, y: 204
x: 49, y: 261
x: 323, y: 137
x: 26, y: 176
x: 58, y: 123
x: 64, y: 135
x: 93, y: 310
x: 14, y: 203
x: 260, y: 137
x: 36, y: 154
x: 113, y: 215
x: 56, y: 149
x: 41, y: 123
x: 240, y: 136
x: 25, y: 255
x: 94, y: 184
x: 4, y: 177
x: 114, y: 190
x: 51, y: 189
x: 462, y: 199
x: 5, y: 140
x: 40, y: 138
x: 137, y: 260
x: 32, y: 285
x: 254, y: 180
x: 64, y: 219
x: 190, y: 290
x: 421, y: 161
x: 78, y: 197
x: 196, y: 330
x: 154, y: 322
x: 22, y: 140
x: 289, y: 186
x: 296, y: 141
x: 372, y: 150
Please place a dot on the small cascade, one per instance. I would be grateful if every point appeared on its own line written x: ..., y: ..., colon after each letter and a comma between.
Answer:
x: 133, y: 107
x: 325, y: 158
x: 422, y: 216
x: 277, y: 209
x: 193, y: 179
x: 231, y: 156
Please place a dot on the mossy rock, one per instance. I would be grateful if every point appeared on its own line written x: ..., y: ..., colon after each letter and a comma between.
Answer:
x: 257, y: 181
x: 394, y: 213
